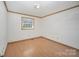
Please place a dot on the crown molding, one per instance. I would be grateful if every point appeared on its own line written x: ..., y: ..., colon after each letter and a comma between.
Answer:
x: 24, y: 14
x: 61, y: 11
x: 18, y: 12
x: 5, y: 5
x: 39, y: 16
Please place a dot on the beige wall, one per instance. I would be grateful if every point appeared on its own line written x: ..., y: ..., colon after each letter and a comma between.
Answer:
x: 3, y: 28
x: 14, y: 28
x: 64, y: 27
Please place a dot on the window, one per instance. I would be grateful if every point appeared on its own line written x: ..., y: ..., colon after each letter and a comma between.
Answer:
x: 26, y: 23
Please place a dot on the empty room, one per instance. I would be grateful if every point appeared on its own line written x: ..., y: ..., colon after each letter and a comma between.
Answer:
x: 39, y: 28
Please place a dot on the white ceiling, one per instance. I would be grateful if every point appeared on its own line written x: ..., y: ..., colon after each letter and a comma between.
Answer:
x: 46, y: 7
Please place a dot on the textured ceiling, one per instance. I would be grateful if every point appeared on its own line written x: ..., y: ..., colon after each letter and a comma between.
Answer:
x: 46, y: 7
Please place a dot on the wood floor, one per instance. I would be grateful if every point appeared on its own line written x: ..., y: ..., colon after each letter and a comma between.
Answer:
x: 39, y: 47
